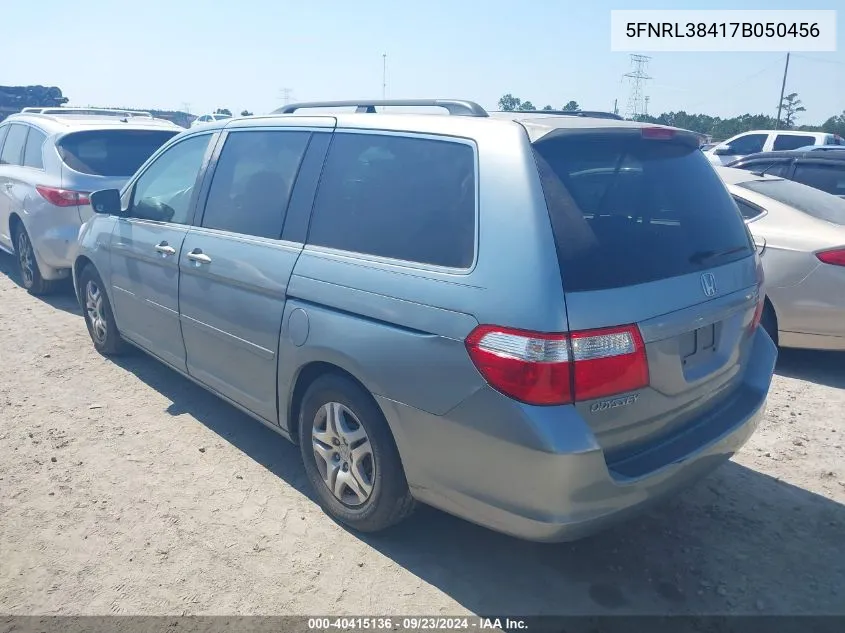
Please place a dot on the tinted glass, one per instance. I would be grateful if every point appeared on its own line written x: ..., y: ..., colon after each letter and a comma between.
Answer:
x: 406, y: 198
x: 13, y: 147
x: 4, y: 129
x: 811, y: 201
x: 829, y: 178
x: 792, y: 141
x: 253, y: 181
x: 747, y: 211
x: 749, y: 144
x: 163, y: 192
x: 630, y: 211
x: 32, y: 154
x: 112, y: 153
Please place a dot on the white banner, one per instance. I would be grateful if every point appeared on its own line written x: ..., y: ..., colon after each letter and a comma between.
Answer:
x: 723, y: 31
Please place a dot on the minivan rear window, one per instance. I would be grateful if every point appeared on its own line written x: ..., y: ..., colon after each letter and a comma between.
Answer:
x: 112, y: 153
x: 627, y: 210
x: 813, y: 202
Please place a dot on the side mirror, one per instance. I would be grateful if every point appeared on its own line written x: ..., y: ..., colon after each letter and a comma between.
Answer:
x: 106, y: 202
x: 723, y: 151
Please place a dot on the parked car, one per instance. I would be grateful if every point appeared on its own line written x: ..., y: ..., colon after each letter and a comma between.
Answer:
x: 822, y: 167
x: 802, y: 232
x: 757, y: 141
x: 49, y: 163
x: 210, y: 118
x: 483, y: 313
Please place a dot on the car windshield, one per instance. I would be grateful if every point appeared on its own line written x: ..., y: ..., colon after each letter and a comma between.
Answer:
x: 112, y: 153
x: 813, y: 202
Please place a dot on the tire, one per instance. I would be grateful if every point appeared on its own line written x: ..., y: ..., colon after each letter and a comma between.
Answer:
x: 98, y: 314
x: 389, y: 500
x: 30, y: 273
x: 769, y: 322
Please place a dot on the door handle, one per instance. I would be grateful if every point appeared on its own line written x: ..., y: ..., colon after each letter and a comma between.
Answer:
x: 198, y: 256
x: 165, y: 249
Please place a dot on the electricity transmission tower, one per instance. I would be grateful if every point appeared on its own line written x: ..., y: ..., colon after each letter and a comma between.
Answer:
x: 636, y: 79
x: 286, y: 94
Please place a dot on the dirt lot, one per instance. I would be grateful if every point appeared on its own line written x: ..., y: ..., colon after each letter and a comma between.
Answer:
x: 126, y: 489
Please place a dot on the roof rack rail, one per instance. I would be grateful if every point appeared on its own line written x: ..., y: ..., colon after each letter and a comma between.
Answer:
x: 92, y: 111
x: 592, y: 114
x: 455, y: 107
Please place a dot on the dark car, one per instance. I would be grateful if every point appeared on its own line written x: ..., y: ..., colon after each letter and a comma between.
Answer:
x: 822, y: 167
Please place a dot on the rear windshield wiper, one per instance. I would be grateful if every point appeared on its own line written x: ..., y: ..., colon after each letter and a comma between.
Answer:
x: 700, y: 257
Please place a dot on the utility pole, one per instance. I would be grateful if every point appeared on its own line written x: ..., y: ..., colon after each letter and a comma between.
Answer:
x: 384, y: 76
x: 782, y: 88
x: 186, y: 106
x: 286, y: 95
x: 646, y: 105
x: 615, y: 106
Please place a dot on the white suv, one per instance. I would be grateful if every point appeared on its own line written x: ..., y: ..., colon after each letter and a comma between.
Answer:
x: 49, y: 163
x: 757, y: 141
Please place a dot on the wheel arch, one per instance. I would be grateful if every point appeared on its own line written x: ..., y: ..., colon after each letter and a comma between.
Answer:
x: 305, y: 376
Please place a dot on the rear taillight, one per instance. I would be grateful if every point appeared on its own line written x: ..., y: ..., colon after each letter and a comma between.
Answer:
x: 550, y: 369
x: 835, y: 257
x: 658, y: 133
x: 63, y: 197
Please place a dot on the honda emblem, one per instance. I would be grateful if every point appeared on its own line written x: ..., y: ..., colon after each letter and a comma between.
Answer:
x: 708, y: 284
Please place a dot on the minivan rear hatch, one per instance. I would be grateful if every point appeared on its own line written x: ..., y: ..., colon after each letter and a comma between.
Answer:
x: 653, y: 254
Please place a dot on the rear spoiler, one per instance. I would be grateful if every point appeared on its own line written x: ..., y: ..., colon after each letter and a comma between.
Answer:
x: 658, y: 133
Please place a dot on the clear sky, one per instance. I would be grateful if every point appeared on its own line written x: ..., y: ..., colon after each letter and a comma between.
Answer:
x: 241, y: 53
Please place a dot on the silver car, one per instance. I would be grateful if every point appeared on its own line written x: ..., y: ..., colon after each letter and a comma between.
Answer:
x: 539, y: 323
x: 50, y: 161
x: 803, y: 232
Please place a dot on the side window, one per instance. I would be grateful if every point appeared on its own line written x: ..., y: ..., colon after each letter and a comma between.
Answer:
x: 13, y: 147
x: 32, y: 154
x: 748, y: 211
x: 780, y: 168
x: 400, y: 197
x: 792, y: 141
x: 749, y: 144
x: 163, y: 192
x: 829, y: 178
x: 4, y: 129
x: 253, y: 182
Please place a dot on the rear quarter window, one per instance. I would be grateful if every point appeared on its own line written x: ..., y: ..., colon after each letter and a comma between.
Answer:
x: 112, y: 153
x: 399, y: 197
x: 630, y: 211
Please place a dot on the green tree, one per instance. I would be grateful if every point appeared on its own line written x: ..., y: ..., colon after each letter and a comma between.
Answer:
x: 509, y: 103
x: 246, y: 113
x: 572, y: 106
x: 791, y: 107
x: 526, y: 105
x: 223, y: 111
x: 835, y: 125
x: 548, y: 107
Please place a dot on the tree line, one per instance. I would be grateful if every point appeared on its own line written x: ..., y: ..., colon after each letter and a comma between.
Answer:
x: 717, y: 127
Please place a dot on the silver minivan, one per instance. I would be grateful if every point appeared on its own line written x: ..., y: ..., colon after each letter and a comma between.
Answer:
x: 50, y: 160
x: 539, y: 323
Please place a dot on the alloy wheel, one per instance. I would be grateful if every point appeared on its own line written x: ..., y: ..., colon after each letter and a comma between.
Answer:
x: 344, y: 454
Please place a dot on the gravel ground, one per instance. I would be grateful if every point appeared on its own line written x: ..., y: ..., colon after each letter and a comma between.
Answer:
x: 125, y: 489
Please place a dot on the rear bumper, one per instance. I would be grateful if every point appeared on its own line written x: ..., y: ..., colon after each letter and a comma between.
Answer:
x: 537, y: 472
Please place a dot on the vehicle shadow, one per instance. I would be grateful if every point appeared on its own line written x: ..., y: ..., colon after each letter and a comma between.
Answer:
x: 63, y: 298
x: 738, y: 542
x: 823, y: 368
